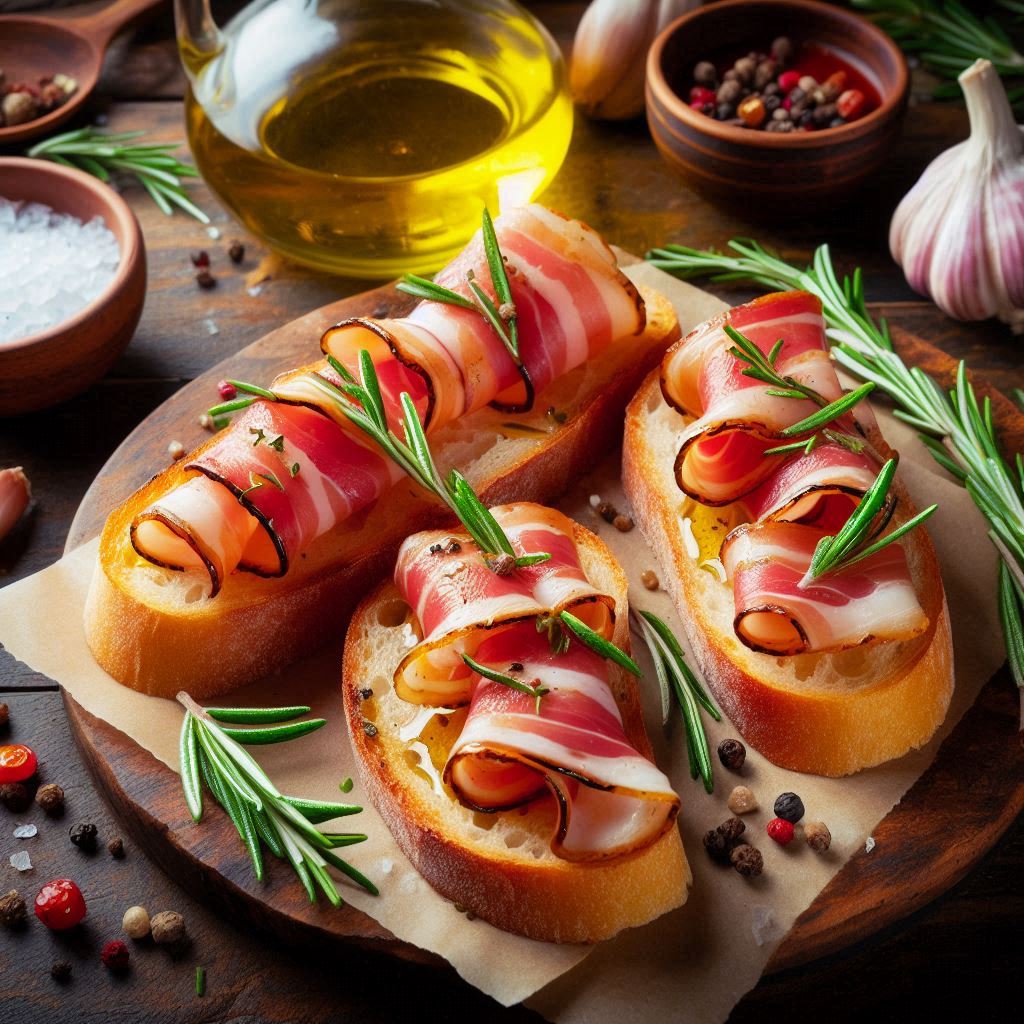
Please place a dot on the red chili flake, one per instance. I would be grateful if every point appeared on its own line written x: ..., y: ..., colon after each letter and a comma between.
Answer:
x: 781, y: 831
x: 226, y: 390
x: 60, y: 904
x: 115, y: 955
x: 17, y: 763
x: 201, y: 258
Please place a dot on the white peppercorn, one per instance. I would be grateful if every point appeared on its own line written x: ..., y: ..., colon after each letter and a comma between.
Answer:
x: 135, y: 923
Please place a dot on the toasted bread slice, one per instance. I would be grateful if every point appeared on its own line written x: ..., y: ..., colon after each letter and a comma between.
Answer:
x: 157, y: 631
x: 499, y: 866
x: 828, y: 714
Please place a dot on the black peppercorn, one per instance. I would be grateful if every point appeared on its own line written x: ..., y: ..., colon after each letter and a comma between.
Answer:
x: 83, y: 835
x: 705, y: 74
x: 60, y: 971
x: 14, y: 796
x: 236, y: 252
x: 789, y: 807
x: 206, y: 280
x: 747, y: 860
x: 366, y: 693
x: 717, y: 846
x: 724, y: 111
x: 732, y: 828
x: 370, y: 729
x: 771, y: 103
x: 732, y: 754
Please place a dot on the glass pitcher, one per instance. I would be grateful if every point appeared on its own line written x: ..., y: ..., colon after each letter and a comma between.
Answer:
x: 364, y: 136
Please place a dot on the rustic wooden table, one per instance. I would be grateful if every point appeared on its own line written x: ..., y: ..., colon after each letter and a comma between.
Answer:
x: 963, y: 949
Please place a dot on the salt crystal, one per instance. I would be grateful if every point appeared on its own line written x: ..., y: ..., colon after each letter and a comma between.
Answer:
x: 254, y: 290
x: 211, y: 326
x: 869, y: 844
x: 52, y: 265
x: 213, y: 232
x: 763, y: 924
x: 21, y: 860
x: 386, y: 866
x: 25, y: 831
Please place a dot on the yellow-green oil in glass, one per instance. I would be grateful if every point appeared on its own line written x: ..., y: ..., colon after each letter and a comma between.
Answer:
x: 375, y: 153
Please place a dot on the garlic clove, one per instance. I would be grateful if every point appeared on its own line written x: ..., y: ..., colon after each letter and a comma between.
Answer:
x: 609, y: 53
x: 15, y: 494
x: 958, y: 234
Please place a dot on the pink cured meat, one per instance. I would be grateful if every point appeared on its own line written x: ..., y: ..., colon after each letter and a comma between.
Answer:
x: 610, y: 800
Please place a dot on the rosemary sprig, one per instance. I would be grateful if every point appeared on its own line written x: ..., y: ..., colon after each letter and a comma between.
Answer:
x: 844, y: 440
x: 948, y: 38
x: 675, y: 676
x: 853, y: 542
x: 597, y: 643
x: 214, y: 755
x: 102, y: 154
x: 958, y: 429
x: 534, y: 689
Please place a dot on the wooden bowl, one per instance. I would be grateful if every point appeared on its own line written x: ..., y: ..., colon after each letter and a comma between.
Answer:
x: 767, y: 171
x: 51, y: 366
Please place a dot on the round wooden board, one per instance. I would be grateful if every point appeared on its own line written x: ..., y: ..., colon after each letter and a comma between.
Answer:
x: 952, y: 815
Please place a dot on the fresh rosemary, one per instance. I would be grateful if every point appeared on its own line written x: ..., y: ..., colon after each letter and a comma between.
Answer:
x: 533, y: 689
x: 853, y: 543
x: 597, y: 643
x: 948, y: 38
x: 213, y: 754
x: 958, y: 429
x: 676, y: 677
x: 103, y: 154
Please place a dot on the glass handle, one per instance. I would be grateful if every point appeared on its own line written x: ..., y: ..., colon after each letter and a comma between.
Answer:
x: 199, y: 39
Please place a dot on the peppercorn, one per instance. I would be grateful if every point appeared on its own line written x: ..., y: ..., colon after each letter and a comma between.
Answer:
x: 732, y: 828
x: 115, y: 955
x: 115, y: 847
x: 817, y: 836
x: 452, y: 546
x: 764, y: 74
x: 732, y: 754
x: 781, y: 114
x: 14, y: 796
x: 369, y: 728
x: 782, y: 49
x: 724, y: 111
x: 781, y: 831
x: 168, y: 928
x: 502, y: 565
x: 622, y: 523
x: 752, y: 111
x: 5, y: 714
x: 135, y: 923
x: 12, y: 910
x: 236, y: 252
x: 717, y: 845
x: 366, y: 693
x: 771, y: 104
x: 729, y: 92
x: 649, y: 579
x: 201, y: 258
x: 60, y: 971
x: 789, y: 807
x: 742, y: 801
x: 747, y: 860
x: 607, y: 511
x: 51, y: 798
x: 745, y: 68
x: 705, y: 74
x: 808, y: 83
x: 19, y: 108
x: 83, y: 835
x: 206, y: 280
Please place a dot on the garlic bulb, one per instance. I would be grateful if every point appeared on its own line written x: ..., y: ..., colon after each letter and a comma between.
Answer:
x: 15, y: 494
x: 958, y: 234
x: 609, y: 53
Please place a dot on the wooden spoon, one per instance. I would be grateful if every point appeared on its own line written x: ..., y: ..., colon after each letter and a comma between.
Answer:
x: 31, y: 46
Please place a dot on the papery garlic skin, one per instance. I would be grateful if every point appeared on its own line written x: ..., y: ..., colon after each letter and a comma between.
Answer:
x: 15, y: 494
x: 609, y: 53
x: 958, y: 234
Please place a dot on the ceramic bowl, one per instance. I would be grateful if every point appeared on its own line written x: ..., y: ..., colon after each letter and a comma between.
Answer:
x: 768, y: 170
x: 51, y: 366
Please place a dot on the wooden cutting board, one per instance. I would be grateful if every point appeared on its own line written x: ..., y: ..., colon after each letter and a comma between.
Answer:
x: 945, y: 823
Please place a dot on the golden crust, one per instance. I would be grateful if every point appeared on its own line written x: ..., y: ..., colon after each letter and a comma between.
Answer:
x: 542, y: 897
x: 835, y: 724
x: 139, y: 622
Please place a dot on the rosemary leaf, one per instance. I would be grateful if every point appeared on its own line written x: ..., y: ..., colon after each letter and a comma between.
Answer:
x: 597, y: 643
x: 832, y: 411
x: 260, y: 716
x: 423, y: 288
x: 275, y: 734
x: 505, y: 679
x: 190, y: 769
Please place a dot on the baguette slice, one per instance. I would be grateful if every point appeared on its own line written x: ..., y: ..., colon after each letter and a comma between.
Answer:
x: 499, y: 866
x: 156, y: 631
x: 827, y: 714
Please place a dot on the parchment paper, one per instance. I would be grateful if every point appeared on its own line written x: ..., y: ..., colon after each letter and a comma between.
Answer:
x: 691, y: 965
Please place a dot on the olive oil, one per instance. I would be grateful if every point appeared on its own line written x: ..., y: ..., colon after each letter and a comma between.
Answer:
x: 375, y: 153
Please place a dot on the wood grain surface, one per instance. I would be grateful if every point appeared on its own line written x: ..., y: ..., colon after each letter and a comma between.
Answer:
x: 960, y: 954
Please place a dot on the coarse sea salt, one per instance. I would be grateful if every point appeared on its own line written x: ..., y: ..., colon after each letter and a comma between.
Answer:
x: 21, y: 860
x: 52, y: 265
x: 25, y: 831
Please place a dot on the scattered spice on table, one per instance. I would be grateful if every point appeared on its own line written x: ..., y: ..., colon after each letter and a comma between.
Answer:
x: 52, y: 265
x: 135, y: 923
x: 732, y: 753
x: 115, y: 955
x: 236, y: 252
x: 789, y: 807
x: 649, y: 579
x: 781, y: 831
x: 60, y: 904
x: 60, y: 971
x: 115, y: 847
x: 200, y: 258
x: 176, y: 450
x: 817, y: 836
x: 27, y: 831
x: 21, y: 861
x: 168, y: 928
x: 13, y: 911
x: 50, y: 798
x: 84, y: 836
x: 206, y: 280
x: 15, y: 796
x: 747, y: 860
x: 742, y: 800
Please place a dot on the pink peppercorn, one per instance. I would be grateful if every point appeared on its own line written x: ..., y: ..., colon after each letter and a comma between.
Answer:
x: 789, y: 80
x: 115, y: 955
x: 227, y: 390
x: 781, y: 831
x: 699, y: 94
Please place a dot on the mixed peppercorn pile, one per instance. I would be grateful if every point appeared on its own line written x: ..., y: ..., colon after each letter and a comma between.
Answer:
x: 22, y: 102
